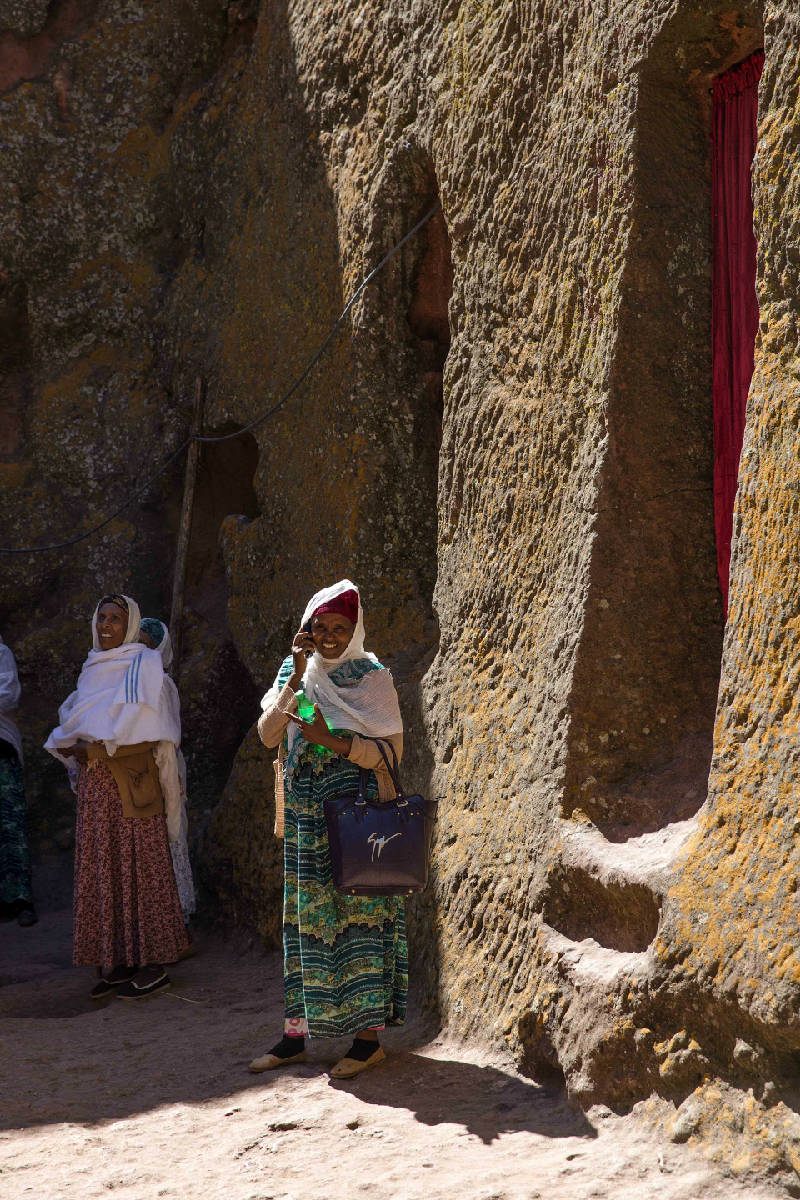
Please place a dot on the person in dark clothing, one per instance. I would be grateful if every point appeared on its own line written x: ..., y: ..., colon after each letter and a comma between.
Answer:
x: 16, y: 899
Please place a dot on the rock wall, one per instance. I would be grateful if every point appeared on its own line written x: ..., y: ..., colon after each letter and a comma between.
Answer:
x: 508, y: 444
x: 94, y: 391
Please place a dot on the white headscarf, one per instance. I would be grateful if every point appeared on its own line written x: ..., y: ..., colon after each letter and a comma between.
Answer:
x: 169, y: 760
x: 164, y: 647
x: 368, y: 706
x: 134, y: 622
x: 9, y: 698
x: 123, y: 697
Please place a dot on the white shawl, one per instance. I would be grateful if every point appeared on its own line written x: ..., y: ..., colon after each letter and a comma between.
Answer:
x: 164, y: 647
x: 369, y: 707
x: 9, y: 698
x: 123, y: 697
x: 169, y: 760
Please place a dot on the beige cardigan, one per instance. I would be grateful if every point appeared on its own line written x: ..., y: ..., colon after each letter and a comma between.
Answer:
x: 364, y: 753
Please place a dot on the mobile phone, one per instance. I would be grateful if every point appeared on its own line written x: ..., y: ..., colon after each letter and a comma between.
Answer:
x: 307, y: 627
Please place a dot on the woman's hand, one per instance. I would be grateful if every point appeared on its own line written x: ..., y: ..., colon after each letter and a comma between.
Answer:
x: 302, y: 646
x: 318, y: 734
x: 78, y: 751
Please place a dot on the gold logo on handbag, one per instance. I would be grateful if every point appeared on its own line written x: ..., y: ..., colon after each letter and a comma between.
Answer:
x: 378, y: 843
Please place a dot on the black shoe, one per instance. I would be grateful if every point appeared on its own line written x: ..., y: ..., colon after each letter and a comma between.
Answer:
x: 108, y: 986
x: 137, y: 991
x: 27, y: 917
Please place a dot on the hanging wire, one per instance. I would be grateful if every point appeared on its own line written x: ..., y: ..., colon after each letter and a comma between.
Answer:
x: 224, y: 437
x: 106, y: 520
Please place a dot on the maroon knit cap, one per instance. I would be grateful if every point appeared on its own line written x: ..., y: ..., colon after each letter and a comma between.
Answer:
x: 346, y: 604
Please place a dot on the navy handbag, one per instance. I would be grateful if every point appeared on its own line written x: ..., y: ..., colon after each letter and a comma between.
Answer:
x: 380, y: 847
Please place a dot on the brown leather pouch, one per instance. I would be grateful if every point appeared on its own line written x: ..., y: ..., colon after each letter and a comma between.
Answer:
x: 136, y: 776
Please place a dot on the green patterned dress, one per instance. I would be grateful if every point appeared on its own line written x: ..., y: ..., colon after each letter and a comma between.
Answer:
x: 345, y: 957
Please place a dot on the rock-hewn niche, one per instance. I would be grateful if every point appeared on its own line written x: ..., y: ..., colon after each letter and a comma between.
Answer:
x: 645, y: 684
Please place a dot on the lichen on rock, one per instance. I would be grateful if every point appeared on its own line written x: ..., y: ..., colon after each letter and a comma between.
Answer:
x: 508, y: 443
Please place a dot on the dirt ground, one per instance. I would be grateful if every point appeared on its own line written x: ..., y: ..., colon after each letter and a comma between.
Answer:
x: 153, y: 1099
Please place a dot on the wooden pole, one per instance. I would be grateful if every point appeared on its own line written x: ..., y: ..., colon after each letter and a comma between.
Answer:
x: 184, y: 532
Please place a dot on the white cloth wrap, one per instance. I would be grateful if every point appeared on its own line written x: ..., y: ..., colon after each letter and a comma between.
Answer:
x: 164, y: 647
x: 123, y: 697
x: 370, y: 707
x: 172, y: 773
x: 165, y: 755
x: 9, y: 698
x: 179, y: 849
x: 184, y: 881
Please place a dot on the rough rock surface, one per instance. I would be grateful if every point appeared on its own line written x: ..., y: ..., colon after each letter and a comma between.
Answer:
x: 508, y: 444
x: 90, y: 399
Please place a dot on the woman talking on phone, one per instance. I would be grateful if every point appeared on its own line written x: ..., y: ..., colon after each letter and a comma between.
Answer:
x: 345, y: 957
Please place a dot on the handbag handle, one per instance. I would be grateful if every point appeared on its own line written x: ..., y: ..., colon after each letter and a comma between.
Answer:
x: 361, y: 801
x: 394, y: 770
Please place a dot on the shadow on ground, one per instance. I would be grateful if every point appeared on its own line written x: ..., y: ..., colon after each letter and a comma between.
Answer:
x: 443, y: 1091
x: 68, y: 1059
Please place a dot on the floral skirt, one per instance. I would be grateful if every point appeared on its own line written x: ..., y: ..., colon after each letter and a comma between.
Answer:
x: 345, y: 957
x: 126, y: 907
x: 15, y: 867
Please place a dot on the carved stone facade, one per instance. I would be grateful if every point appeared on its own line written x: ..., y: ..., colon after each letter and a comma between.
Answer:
x: 508, y: 446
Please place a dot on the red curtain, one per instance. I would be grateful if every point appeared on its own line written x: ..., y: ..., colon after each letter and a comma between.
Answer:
x: 734, y: 308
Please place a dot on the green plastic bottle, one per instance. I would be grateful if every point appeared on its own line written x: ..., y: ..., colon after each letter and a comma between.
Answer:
x: 305, y: 707
x: 305, y: 710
